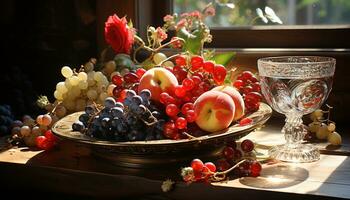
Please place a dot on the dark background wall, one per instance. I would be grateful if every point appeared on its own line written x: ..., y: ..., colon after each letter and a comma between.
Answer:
x: 37, y: 38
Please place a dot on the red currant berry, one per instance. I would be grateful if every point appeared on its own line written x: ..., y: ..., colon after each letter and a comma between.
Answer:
x: 117, y: 80
x: 188, y: 84
x: 222, y: 165
x: 211, y: 166
x: 135, y: 86
x: 228, y: 153
x: 208, y: 66
x: 131, y: 78
x: 171, y: 100
x: 197, y: 165
x: 199, y: 74
x: 197, y: 80
x: 253, y: 97
x: 245, y: 121
x: 191, y: 116
x: 122, y: 94
x: 176, y: 69
x: 238, y: 84
x: 247, y: 146
x: 169, y: 130
x: 246, y: 89
x: 196, y: 63
x: 116, y: 91
x: 43, y: 143
x: 50, y: 136
x: 181, y: 75
x: 171, y: 110
x: 188, y: 97
x: 186, y: 107
x: 163, y: 97
x: 181, y: 123
x: 219, y: 74
x: 256, y: 87
x: 252, y: 106
x: 180, y: 60
x: 140, y: 72
x: 255, y: 169
x: 232, y: 144
x: 246, y: 75
x: 238, y: 154
x: 180, y: 91
x: 253, y: 79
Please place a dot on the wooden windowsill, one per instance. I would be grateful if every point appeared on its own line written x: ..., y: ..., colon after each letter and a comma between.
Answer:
x: 71, y: 170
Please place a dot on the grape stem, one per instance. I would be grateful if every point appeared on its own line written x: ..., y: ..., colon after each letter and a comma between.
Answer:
x: 220, y: 176
x: 190, y: 137
x: 151, y: 116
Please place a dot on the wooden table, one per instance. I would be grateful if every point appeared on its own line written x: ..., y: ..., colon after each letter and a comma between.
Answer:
x: 70, y: 172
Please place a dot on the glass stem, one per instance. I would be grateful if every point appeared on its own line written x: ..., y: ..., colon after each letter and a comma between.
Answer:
x: 293, y: 129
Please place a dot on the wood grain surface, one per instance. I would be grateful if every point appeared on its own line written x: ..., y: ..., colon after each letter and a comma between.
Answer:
x: 72, y: 171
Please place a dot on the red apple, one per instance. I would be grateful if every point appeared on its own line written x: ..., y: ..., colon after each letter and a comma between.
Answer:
x: 236, y: 97
x: 215, y: 111
x: 158, y: 80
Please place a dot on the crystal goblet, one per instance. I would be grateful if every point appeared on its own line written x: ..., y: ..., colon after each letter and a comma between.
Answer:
x: 295, y: 86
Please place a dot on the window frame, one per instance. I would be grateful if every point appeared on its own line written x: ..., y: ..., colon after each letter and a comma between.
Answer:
x: 293, y: 36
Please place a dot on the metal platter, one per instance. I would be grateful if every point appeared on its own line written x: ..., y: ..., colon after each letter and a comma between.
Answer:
x: 143, y: 154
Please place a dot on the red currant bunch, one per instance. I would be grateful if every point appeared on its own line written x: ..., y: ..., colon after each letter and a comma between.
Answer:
x: 196, y: 65
x: 198, y: 172
x: 232, y: 154
x: 129, y: 81
x: 46, y: 141
x: 249, y: 86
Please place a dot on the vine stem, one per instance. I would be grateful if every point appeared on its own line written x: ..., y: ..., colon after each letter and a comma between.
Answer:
x: 219, y: 176
x: 168, y: 43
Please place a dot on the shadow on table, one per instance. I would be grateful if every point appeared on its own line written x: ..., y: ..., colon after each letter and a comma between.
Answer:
x: 277, y: 176
x: 79, y: 157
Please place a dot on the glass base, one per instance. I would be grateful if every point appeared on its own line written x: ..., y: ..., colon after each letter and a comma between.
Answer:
x: 296, y: 153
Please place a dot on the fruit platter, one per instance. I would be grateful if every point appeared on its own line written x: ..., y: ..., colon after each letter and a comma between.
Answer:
x: 154, y: 152
x: 138, y: 106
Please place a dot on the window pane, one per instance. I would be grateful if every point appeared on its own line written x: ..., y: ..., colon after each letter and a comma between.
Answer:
x: 291, y: 12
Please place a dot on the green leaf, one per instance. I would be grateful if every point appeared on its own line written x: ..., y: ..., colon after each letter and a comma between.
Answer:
x: 193, y: 41
x: 223, y: 58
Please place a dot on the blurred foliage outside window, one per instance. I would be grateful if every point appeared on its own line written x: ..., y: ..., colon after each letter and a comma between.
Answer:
x: 230, y: 13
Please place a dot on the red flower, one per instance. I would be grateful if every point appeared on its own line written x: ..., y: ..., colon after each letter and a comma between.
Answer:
x: 118, y: 34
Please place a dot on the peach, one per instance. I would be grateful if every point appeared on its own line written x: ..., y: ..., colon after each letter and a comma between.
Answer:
x: 158, y: 80
x: 215, y: 111
x: 236, y: 97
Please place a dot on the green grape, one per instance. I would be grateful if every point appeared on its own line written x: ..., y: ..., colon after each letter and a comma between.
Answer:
x: 82, y: 76
x: 66, y: 71
x: 334, y: 138
x: 322, y: 132
x: 168, y: 64
x: 314, y: 126
x: 103, y: 96
x: 331, y: 127
x: 74, y: 80
x: 58, y: 95
x: 92, y: 94
x: 61, y: 87
x: 98, y: 76
x: 83, y: 85
x: 80, y: 104
x: 158, y: 58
